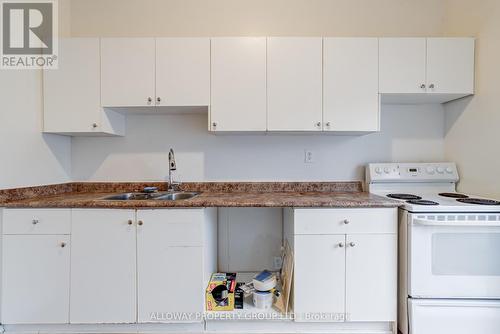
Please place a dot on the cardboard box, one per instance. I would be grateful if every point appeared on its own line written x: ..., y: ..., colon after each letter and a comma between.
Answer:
x: 220, y: 292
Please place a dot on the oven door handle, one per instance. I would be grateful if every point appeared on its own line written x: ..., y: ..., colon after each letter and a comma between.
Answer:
x: 465, y: 223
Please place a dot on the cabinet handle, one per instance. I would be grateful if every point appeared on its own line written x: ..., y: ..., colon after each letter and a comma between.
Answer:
x: 431, y: 86
x: 35, y: 221
x: 150, y: 100
x: 328, y: 124
x: 214, y: 125
x: 422, y: 86
x: 63, y: 244
x: 130, y: 222
x: 352, y: 244
x: 318, y: 124
x: 140, y: 222
x: 341, y: 244
x: 346, y: 221
x: 94, y: 125
x: 158, y: 100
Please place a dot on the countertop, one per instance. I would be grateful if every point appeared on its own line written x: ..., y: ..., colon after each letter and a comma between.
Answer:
x: 262, y: 194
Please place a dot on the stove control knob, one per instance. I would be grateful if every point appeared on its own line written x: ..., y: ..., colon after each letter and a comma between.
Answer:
x: 430, y: 170
x: 387, y: 170
x: 440, y: 170
x: 378, y: 170
x: 449, y: 170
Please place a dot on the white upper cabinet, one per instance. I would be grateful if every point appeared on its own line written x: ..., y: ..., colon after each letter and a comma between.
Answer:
x: 72, y: 94
x: 450, y: 65
x: 128, y: 72
x: 350, y: 84
x: 402, y: 65
x: 426, y: 70
x: 294, y: 84
x: 238, y: 84
x: 182, y: 72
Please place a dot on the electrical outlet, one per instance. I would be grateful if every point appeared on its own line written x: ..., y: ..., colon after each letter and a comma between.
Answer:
x: 308, y: 157
x: 277, y: 262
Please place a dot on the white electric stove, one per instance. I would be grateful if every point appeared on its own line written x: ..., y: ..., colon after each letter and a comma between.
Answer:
x: 449, y: 250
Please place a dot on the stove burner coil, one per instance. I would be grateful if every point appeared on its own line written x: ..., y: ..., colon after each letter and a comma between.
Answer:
x: 453, y: 195
x: 422, y: 202
x: 478, y: 201
x: 404, y: 196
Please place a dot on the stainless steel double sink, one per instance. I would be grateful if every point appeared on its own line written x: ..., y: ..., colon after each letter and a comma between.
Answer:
x: 157, y: 196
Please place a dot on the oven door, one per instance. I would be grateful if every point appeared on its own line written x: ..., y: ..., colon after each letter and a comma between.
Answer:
x: 454, y: 256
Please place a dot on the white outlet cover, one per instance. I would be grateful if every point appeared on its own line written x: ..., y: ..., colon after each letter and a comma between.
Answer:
x: 308, y: 156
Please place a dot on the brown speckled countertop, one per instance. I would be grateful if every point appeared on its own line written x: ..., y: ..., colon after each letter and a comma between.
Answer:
x: 212, y: 194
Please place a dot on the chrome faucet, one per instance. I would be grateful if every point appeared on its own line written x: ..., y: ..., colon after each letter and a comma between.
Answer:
x: 172, y: 186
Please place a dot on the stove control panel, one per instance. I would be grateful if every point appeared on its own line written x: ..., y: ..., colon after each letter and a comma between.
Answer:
x: 411, y: 172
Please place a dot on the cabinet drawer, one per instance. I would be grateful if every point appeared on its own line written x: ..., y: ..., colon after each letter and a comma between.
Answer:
x: 37, y: 221
x: 177, y: 227
x: 345, y: 221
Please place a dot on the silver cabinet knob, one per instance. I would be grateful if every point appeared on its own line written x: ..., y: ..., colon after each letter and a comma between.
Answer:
x: 94, y: 125
x: 140, y: 222
x: 346, y: 221
x: 341, y: 245
x: 150, y: 100
x: 214, y: 125
x: 318, y: 124
x: 158, y: 100
x: 35, y: 221
x: 130, y: 222
x: 63, y: 244
x: 431, y: 86
x: 328, y: 124
x: 422, y: 86
x: 352, y: 244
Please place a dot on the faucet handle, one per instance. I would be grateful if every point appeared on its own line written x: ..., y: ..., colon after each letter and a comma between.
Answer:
x: 150, y: 190
x: 174, y: 186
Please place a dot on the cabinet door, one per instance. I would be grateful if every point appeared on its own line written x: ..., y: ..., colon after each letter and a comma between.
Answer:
x: 127, y: 72
x: 402, y: 65
x: 71, y: 94
x: 238, y: 84
x: 450, y: 65
x: 371, y: 277
x: 170, y: 272
x: 182, y: 71
x: 294, y: 84
x: 103, y: 266
x: 319, y: 277
x: 350, y: 79
x: 35, y: 284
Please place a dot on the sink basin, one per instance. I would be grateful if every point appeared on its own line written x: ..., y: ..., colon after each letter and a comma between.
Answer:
x: 161, y: 196
x: 131, y: 196
x: 176, y: 196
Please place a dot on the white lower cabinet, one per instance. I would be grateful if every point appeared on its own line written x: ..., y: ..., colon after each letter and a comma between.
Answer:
x: 103, y: 266
x: 172, y: 254
x: 371, y: 278
x: 123, y: 266
x: 35, y: 279
x: 339, y: 275
x: 319, y: 277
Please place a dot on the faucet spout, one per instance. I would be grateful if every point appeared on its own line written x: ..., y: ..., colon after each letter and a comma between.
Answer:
x: 171, y: 160
x: 171, y: 167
